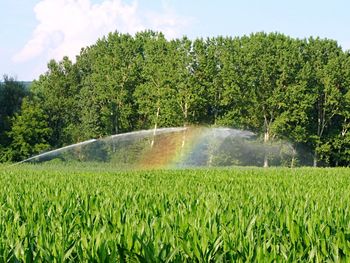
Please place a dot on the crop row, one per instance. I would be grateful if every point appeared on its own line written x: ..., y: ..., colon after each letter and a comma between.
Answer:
x: 174, y: 215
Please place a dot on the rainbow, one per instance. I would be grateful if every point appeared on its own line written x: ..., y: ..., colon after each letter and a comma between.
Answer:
x: 171, y: 150
x: 186, y: 148
x: 159, y: 149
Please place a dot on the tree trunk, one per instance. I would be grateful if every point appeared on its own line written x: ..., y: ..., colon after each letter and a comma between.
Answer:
x: 266, y: 161
x: 292, y: 163
x: 266, y: 139
x: 116, y: 130
x: 155, y: 127
x: 182, y: 151
x: 294, y: 152
x: 185, y: 124
x: 186, y: 112
x: 184, y: 137
x: 315, y: 159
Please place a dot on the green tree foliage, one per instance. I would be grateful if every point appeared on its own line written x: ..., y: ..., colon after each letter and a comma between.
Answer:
x: 58, y: 92
x: 12, y: 93
x: 107, y: 106
x: 30, y: 133
x: 189, y: 95
x: 272, y: 84
x: 155, y: 96
x: 207, y: 77
x: 327, y: 88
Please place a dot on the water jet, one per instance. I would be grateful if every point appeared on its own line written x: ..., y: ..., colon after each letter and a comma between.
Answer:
x: 177, y: 147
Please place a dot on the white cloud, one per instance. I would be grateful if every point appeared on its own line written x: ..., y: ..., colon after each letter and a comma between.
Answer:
x: 65, y: 26
x: 168, y: 21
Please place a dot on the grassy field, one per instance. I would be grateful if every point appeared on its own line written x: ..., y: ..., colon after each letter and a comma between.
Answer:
x: 96, y: 214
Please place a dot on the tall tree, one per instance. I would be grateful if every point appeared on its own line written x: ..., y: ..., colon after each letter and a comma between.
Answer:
x: 106, y: 96
x: 58, y: 93
x: 237, y: 106
x: 155, y: 96
x: 207, y: 75
x: 190, y: 96
x: 12, y: 92
x: 30, y: 133
x: 261, y: 78
x: 327, y: 89
x: 296, y: 99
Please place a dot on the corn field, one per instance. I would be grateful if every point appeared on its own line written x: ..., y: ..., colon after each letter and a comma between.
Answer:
x: 63, y: 214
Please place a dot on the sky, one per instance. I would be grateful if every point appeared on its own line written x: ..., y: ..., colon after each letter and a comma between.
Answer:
x: 34, y: 31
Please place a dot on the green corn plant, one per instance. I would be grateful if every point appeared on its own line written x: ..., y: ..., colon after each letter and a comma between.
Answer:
x: 69, y: 213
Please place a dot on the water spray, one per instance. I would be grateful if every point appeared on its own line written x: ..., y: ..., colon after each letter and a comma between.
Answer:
x: 166, y: 148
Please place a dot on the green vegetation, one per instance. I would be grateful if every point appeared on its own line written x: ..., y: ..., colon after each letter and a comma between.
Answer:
x: 271, y: 84
x: 58, y: 213
x: 12, y: 93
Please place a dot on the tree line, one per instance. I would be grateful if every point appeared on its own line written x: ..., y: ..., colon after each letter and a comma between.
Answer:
x: 274, y: 85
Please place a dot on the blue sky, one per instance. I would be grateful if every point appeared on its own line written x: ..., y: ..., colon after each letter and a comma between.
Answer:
x: 34, y: 31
